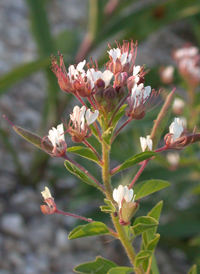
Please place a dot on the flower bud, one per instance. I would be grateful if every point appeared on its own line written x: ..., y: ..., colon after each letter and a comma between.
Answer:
x: 110, y: 96
x: 121, y: 91
x: 100, y: 83
x: 128, y: 211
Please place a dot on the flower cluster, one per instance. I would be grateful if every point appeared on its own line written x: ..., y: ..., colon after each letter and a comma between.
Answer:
x: 188, y: 60
x: 106, y: 99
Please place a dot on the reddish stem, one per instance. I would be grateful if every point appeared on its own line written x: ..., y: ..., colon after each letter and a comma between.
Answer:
x: 94, y: 150
x: 117, y: 132
x: 86, y: 172
x: 82, y: 102
x: 75, y: 216
x: 89, y: 220
x: 144, y: 165
x: 138, y: 174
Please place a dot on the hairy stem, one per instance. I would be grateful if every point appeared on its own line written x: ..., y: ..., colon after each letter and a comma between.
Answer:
x: 119, y: 228
x: 94, y: 150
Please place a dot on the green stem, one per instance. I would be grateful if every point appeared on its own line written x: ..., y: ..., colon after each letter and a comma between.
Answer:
x: 119, y: 228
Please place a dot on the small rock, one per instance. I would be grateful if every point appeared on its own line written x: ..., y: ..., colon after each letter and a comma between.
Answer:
x: 13, y: 224
x: 61, y: 240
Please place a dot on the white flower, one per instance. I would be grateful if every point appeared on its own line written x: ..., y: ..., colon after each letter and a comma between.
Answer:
x: 56, y: 136
x: 80, y: 114
x: 123, y: 193
x: 78, y: 117
x: 115, y: 53
x: 173, y: 158
x: 140, y: 94
x: 94, y: 75
x: 46, y: 193
x: 123, y: 57
x: 146, y: 142
x: 74, y: 72
x: 176, y: 129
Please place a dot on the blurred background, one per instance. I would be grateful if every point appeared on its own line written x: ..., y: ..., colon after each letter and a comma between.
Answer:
x: 32, y: 30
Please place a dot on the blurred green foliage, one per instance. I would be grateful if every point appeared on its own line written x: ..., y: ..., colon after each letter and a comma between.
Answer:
x: 181, y: 225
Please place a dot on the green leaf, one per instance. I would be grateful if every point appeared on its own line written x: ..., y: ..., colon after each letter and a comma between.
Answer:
x: 34, y: 139
x: 107, y: 135
x: 119, y: 115
x: 94, y: 131
x: 152, y: 244
x: 141, y: 256
x: 154, y: 213
x: 84, y: 152
x: 121, y: 270
x: 136, y: 159
x: 99, y: 266
x: 148, y: 187
x: 154, y: 267
x: 110, y: 208
x: 193, y: 270
x: 91, y: 229
x: 162, y: 119
x: 142, y: 224
x: 79, y: 173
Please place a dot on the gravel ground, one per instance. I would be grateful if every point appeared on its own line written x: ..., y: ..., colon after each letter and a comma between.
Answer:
x: 30, y: 242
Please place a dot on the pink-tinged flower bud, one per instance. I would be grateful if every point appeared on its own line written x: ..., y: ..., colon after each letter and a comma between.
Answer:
x: 121, y: 78
x: 110, y: 96
x: 121, y: 91
x: 61, y: 73
x: 128, y: 211
x: 51, y: 205
x: 100, y: 84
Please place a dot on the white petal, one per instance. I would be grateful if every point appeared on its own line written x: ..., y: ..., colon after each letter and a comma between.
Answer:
x: 60, y: 129
x: 72, y: 71
x: 118, y: 194
x: 143, y: 143
x: 80, y: 66
x: 106, y: 77
x: 123, y: 58
x: 82, y: 123
x: 53, y: 136
x: 147, y: 92
x: 149, y: 142
x: 129, y: 58
x: 91, y: 117
x: 115, y: 53
x: 46, y: 193
x: 176, y: 129
x: 128, y: 196
x: 136, y: 70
